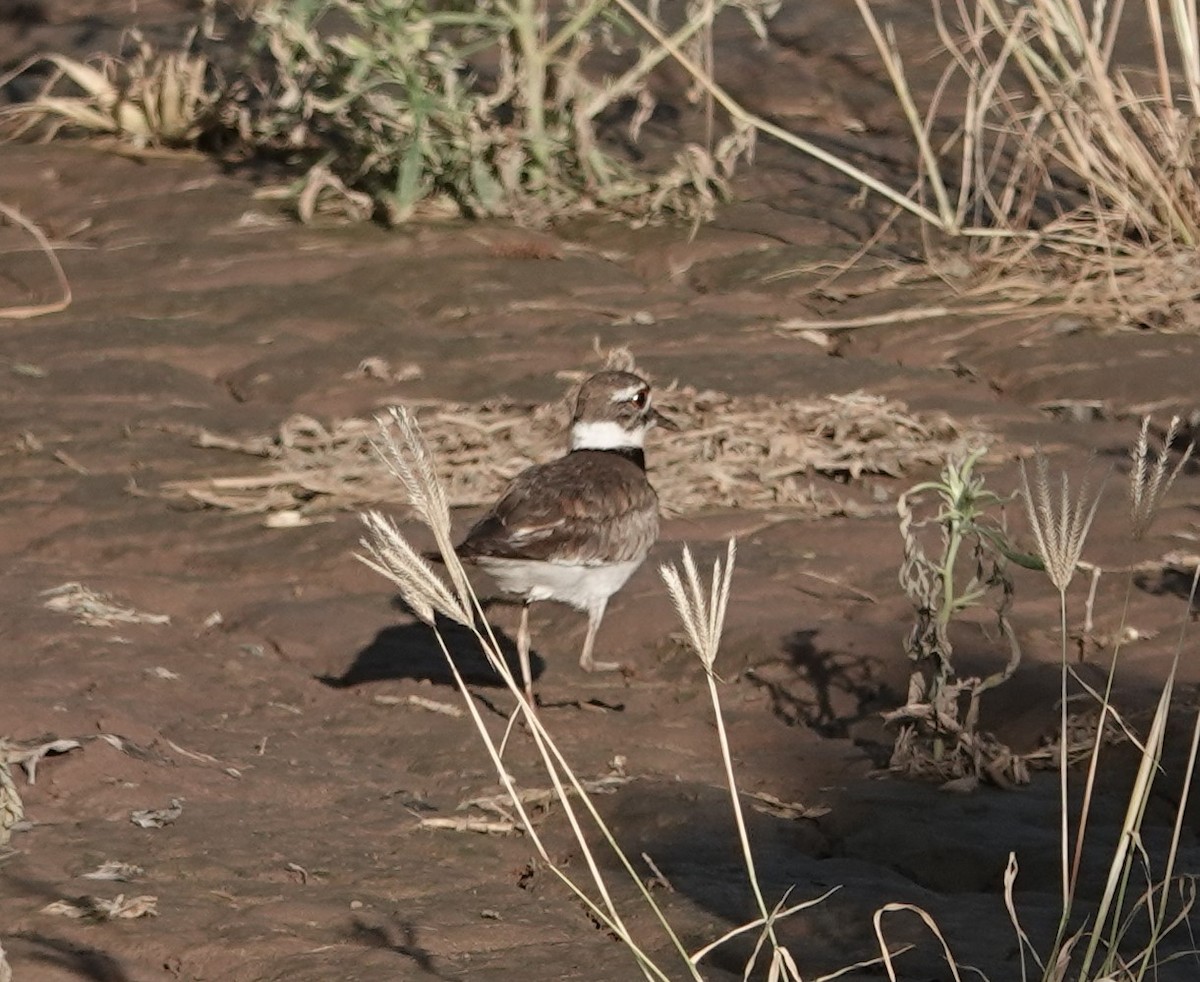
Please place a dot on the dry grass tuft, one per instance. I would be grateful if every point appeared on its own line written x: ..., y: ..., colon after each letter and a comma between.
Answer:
x: 732, y: 452
x: 1067, y: 162
x: 151, y: 98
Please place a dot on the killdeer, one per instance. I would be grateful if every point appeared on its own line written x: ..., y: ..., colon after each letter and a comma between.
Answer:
x: 575, y: 529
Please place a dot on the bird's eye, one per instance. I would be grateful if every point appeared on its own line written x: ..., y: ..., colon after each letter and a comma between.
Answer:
x: 641, y: 398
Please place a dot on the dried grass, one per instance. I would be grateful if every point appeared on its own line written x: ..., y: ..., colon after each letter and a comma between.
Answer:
x: 112, y: 869
x: 12, y: 809
x: 151, y: 98
x: 102, y: 909
x: 29, y: 757
x: 157, y: 818
x: 26, y: 311
x: 1072, y: 170
x: 96, y: 609
x: 732, y: 452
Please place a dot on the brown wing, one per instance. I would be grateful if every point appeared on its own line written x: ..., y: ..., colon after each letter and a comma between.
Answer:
x: 589, y: 507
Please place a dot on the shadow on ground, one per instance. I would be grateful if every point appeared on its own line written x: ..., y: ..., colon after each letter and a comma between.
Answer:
x: 413, y: 651
x: 825, y: 689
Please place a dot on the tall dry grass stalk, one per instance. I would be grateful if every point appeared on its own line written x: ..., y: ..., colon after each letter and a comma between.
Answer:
x: 1060, y: 524
x: 703, y: 619
x: 1097, y: 951
x: 1150, y: 478
x: 386, y: 550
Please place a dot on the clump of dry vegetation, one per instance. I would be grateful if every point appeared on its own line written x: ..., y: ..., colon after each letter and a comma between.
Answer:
x: 401, y: 108
x: 150, y: 98
x: 1071, y: 167
x: 398, y: 109
x: 731, y: 451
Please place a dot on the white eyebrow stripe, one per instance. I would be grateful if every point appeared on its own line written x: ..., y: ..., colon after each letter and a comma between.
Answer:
x: 627, y: 394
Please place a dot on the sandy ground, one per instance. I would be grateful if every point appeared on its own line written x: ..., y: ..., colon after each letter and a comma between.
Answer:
x: 282, y: 725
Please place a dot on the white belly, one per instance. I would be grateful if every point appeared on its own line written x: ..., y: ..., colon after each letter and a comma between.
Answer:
x: 583, y: 587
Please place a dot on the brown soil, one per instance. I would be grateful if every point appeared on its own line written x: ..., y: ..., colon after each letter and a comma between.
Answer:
x: 282, y: 725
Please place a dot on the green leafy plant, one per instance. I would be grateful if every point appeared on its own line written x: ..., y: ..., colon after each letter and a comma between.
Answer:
x: 397, y: 108
x: 956, y: 557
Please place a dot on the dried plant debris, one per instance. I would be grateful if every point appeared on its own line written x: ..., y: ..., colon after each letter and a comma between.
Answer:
x: 769, y: 804
x: 156, y: 818
x: 96, y: 609
x: 1081, y: 738
x: 111, y: 869
x: 482, y: 826
x: 420, y: 702
x: 29, y: 757
x: 381, y: 369
x: 12, y: 810
x: 5, y: 970
x: 101, y: 909
x: 731, y: 452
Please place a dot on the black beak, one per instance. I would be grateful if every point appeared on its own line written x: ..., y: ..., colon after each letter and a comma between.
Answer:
x: 655, y: 418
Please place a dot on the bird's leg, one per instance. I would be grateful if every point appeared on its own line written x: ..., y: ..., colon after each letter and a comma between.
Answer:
x: 585, y: 659
x: 523, y: 653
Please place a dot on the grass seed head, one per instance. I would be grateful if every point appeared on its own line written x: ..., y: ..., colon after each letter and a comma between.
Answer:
x: 402, y: 448
x: 392, y: 556
x: 1151, y: 478
x: 1059, y: 521
x: 702, y: 616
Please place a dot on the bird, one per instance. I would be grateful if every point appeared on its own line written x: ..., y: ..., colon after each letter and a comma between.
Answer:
x: 575, y: 529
